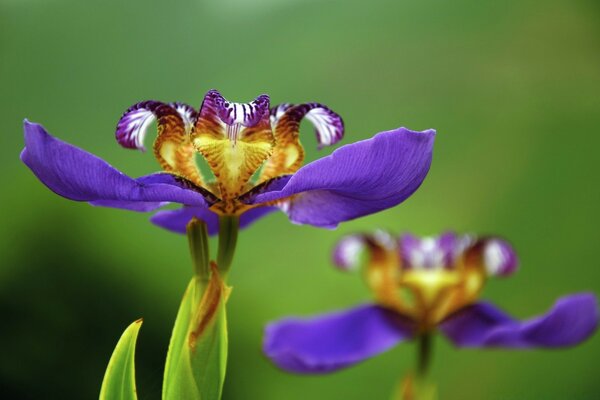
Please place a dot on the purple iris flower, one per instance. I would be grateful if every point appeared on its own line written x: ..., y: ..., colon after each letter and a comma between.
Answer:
x: 255, y: 161
x: 422, y: 285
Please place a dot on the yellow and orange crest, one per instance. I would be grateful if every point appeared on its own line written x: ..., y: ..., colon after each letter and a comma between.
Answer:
x: 235, y: 139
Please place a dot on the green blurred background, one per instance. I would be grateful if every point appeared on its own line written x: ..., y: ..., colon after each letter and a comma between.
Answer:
x: 511, y: 86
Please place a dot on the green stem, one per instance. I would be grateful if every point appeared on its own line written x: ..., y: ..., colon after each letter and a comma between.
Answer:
x: 198, y: 241
x: 424, y: 355
x: 228, y: 233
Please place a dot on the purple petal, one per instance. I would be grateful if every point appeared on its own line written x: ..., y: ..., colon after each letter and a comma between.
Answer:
x: 154, y: 180
x: 139, y: 206
x: 177, y: 220
x: 273, y: 184
x: 358, y: 179
x: 81, y: 176
x: 334, y: 341
x: 571, y: 320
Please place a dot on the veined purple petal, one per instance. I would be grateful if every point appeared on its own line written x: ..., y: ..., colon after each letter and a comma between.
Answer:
x: 177, y: 220
x: 78, y: 175
x: 571, y: 320
x: 139, y: 206
x: 357, y: 179
x: 274, y: 184
x: 334, y: 341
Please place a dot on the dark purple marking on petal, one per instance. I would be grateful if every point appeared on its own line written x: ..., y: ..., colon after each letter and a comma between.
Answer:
x: 247, y: 114
x: 329, y: 126
x: 133, y: 124
x: 571, y: 320
x: 177, y: 220
x: 187, y: 113
x: 333, y: 341
x: 276, y: 112
x: 273, y: 184
x: 78, y: 175
x: 357, y: 179
x: 176, y: 180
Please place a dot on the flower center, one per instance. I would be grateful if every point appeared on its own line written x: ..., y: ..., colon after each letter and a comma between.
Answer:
x: 425, y: 283
x: 235, y: 140
x: 245, y: 145
x: 435, y: 294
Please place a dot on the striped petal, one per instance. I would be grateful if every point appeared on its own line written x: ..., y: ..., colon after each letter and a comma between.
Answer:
x: 288, y: 153
x: 187, y: 114
x: 571, y: 320
x: 234, y: 138
x: 172, y: 147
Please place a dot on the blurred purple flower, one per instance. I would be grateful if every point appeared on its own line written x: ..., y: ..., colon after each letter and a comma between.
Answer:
x: 255, y: 159
x: 423, y: 285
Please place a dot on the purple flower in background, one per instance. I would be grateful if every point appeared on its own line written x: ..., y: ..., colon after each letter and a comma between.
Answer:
x: 255, y: 160
x: 422, y: 285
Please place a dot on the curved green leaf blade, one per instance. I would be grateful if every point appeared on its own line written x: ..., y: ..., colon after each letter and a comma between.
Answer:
x: 119, y: 378
x: 197, y: 357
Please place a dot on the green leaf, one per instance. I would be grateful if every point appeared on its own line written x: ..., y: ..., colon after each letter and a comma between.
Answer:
x: 119, y: 378
x: 197, y: 357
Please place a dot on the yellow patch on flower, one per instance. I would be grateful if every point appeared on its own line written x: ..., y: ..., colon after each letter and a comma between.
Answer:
x: 234, y: 162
